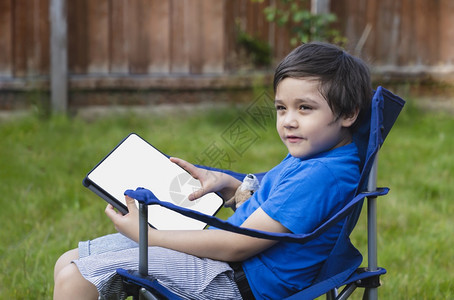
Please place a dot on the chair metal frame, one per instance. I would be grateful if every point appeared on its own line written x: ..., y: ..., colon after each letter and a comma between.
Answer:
x: 372, y: 282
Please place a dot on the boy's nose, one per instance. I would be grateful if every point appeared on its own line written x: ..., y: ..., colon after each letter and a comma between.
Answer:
x: 290, y: 120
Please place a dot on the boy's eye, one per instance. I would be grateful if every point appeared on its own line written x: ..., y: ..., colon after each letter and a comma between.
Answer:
x: 305, y: 107
x: 280, y: 107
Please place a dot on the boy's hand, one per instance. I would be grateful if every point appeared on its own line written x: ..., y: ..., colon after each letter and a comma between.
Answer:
x: 128, y: 224
x: 211, y: 181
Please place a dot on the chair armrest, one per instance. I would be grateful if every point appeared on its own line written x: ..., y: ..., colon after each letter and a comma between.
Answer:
x: 145, y: 196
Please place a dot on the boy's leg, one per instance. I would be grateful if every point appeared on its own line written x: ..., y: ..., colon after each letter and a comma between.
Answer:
x: 70, y: 284
x: 64, y: 260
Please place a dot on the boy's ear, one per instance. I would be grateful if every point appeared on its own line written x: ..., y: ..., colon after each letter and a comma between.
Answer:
x: 349, y: 120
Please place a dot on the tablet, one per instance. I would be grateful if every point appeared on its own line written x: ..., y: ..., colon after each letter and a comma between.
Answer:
x: 136, y: 163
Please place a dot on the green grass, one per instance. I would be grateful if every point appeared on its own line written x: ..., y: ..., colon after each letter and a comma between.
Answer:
x: 416, y: 226
x: 46, y: 210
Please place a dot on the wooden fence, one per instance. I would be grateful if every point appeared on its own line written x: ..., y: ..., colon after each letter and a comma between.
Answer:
x: 137, y: 43
x: 403, y: 33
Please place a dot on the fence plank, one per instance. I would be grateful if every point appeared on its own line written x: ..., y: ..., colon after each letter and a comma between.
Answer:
x: 262, y: 24
x: 77, y: 36
x: 230, y: 30
x: 160, y: 37
x: 118, y: 42
x: 282, y: 39
x: 179, y: 45
x: 134, y: 22
x: 139, y: 34
x: 6, y: 41
x: 388, y: 12
x: 44, y: 36
x: 98, y: 33
x: 21, y: 7
x: 32, y: 41
x: 196, y: 23
x: 426, y: 35
x: 446, y: 29
x: 250, y: 16
x: 405, y: 49
x: 353, y: 18
x: 213, y: 38
x: 37, y: 41
x: 356, y: 22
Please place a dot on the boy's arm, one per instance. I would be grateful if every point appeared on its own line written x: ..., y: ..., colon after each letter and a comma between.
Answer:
x: 214, y: 244
x: 220, y: 244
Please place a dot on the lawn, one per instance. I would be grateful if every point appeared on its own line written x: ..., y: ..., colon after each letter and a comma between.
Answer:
x: 46, y: 210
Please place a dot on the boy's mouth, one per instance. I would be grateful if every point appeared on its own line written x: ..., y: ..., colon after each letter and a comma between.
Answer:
x: 293, y: 138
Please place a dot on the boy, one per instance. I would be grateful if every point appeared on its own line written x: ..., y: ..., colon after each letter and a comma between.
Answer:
x: 320, y: 93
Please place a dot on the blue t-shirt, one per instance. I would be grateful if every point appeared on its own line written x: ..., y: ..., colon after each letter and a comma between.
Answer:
x: 300, y: 194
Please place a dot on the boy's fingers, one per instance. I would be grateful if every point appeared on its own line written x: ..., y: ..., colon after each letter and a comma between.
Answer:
x: 130, y: 203
x: 186, y: 166
x: 110, y: 212
x: 197, y: 194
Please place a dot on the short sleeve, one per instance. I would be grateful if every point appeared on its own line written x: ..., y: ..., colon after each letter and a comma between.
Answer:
x: 306, y: 196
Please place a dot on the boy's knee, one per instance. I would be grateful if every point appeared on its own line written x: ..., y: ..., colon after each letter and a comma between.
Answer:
x: 70, y: 284
x: 65, y: 279
x: 64, y: 260
x: 66, y: 274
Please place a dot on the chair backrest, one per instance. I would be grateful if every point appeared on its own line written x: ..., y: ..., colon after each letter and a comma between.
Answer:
x: 369, y: 137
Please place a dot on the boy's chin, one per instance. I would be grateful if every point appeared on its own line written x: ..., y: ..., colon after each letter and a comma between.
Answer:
x: 298, y: 154
x: 302, y: 154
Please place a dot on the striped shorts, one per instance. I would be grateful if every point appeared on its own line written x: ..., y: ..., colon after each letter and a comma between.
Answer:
x: 188, y: 276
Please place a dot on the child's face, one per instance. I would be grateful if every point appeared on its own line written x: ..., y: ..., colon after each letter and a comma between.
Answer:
x: 305, y: 122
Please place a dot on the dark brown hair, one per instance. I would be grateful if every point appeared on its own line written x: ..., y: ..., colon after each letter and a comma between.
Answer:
x: 344, y: 79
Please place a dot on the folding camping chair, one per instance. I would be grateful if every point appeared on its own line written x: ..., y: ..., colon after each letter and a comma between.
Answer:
x: 335, y: 272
